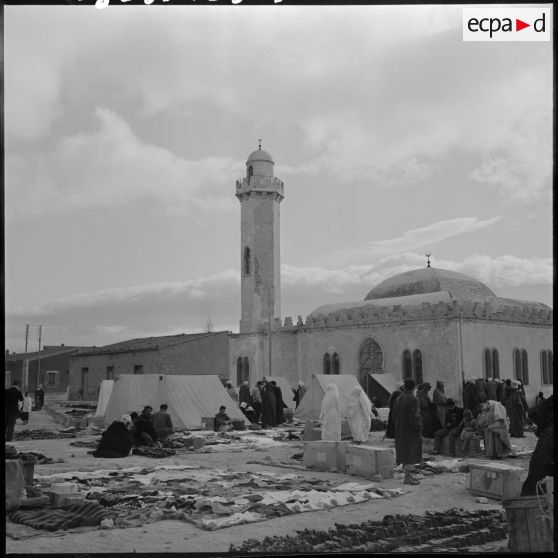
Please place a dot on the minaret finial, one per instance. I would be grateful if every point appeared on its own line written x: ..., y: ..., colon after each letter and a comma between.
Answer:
x: 260, y: 144
x: 428, y: 254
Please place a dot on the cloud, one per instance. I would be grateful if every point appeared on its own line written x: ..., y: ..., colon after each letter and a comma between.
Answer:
x: 112, y: 168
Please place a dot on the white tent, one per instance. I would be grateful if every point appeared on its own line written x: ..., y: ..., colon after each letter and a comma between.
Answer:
x: 189, y: 398
x: 286, y: 390
x: 311, y: 404
x: 104, y: 396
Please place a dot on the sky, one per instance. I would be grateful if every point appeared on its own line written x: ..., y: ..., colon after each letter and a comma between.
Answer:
x: 127, y: 127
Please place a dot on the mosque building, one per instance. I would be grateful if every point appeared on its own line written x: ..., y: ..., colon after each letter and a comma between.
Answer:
x: 428, y: 324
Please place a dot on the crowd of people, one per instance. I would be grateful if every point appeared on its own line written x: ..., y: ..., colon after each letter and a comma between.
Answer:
x: 144, y: 429
x: 263, y: 404
x: 494, y: 410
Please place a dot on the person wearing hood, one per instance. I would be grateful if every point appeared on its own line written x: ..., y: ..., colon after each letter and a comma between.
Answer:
x: 116, y: 440
x: 440, y: 400
x: 493, y: 422
x: 359, y: 415
x: 269, y: 405
x: 408, y: 431
x: 330, y: 415
x: 244, y: 393
x: 299, y: 393
x: 279, y: 403
x: 390, y: 431
x: 427, y: 414
x: 514, y: 410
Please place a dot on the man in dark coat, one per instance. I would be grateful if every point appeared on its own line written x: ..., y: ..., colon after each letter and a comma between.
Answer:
x: 116, y: 440
x: 269, y: 406
x: 145, y: 434
x: 454, y: 416
x: 514, y: 409
x: 244, y: 393
x: 542, y: 460
x: 490, y: 389
x: 39, y: 398
x: 500, y: 391
x: 471, y: 397
x: 279, y: 403
x: 390, y: 431
x: 12, y: 398
x: 408, y: 431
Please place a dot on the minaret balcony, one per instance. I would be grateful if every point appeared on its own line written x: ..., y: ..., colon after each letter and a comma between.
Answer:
x: 263, y: 184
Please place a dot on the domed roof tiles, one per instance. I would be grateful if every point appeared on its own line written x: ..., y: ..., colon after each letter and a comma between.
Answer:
x: 260, y: 155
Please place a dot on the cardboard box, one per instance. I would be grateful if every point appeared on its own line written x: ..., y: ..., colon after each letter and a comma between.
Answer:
x: 325, y: 456
x: 313, y: 430
x: 208, y: 423
x: 368, y: 461
x: 495, y: 480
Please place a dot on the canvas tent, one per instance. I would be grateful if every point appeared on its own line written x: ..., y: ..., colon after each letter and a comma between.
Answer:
x: 381, y: 386
x: 104, y: 396
x: 286, y: 390
x: 311, y: 404
x: 189, y: 398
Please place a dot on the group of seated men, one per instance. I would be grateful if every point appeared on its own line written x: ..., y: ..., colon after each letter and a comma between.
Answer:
x: 145, y: 429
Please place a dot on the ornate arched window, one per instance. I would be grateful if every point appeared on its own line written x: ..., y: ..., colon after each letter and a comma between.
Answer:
x: 371, y: 361
x: 335, y: 366
x: 246, y: 261
x: 406, y: 365
x: 487, y: 363
x: 495, y: 364
x: 417, y: 366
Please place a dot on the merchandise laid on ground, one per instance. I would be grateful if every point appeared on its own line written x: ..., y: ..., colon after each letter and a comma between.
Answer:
x: 208, y: 498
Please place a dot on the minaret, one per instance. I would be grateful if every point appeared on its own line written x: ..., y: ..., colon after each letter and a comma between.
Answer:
x: 260, y: 194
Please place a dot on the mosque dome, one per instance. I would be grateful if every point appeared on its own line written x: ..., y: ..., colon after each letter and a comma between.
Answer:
x: 430, y: 280
x: 260, y: 155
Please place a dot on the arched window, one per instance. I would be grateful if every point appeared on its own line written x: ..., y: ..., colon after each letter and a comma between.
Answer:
x: 417, y: 366
x: 487, y: 363
x: 407, y: 366
x: 550, y: 368
x: 335, y: 363
x: 524, y: 368
x: 371, y: 361
x: 250, y: 172
x: 238, y: 370
x: 521, y: 366
x: 246, y: 261
x: 327, y: 364
x: 495, y: 364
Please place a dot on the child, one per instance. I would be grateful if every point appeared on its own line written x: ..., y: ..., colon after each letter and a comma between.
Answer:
x: 26, y: 407
x: 469, y: 428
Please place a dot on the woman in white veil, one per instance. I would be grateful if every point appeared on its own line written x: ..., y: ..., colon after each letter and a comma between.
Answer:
x: 330, y: 415
x: 359, y: 414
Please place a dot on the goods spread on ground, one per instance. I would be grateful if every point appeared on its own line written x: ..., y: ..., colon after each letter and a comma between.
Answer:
x: 208, y: 498
x: 449, y: 531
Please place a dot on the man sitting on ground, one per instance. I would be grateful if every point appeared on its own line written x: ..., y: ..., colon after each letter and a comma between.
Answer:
x: 451, y: 428
x: 162, y: 422
x: 116, y: 440
x: 223, y: 422
x: 145, y: 434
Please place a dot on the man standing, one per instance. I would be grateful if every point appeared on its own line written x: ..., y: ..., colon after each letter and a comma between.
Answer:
x: 269, y: 412
x: 244, y: 393
x: 39, y: 398
x: 299, y: 393
x: 162, y: 423
x: 279, y: 403
x: 490, y: 390
x: 408, y: 431
x: 26, y: 408
x: 439, y: 399
x: 256, y: 399
x: 12, y: 397
x: 390, y: 431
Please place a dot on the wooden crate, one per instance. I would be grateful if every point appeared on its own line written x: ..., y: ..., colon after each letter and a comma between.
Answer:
x: 495, y: 480
x: 474, y: 447
x: 325, y: 456
x: 368, y: 461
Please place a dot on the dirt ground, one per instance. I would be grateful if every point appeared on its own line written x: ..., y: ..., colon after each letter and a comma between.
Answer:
x: 434, y: 493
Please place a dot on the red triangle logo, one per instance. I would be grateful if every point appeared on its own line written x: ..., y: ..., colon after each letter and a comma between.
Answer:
x: 519, y: 25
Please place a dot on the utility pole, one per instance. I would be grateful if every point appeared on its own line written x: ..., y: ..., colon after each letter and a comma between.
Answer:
x: 39, y: 358
x: 25, y: 371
